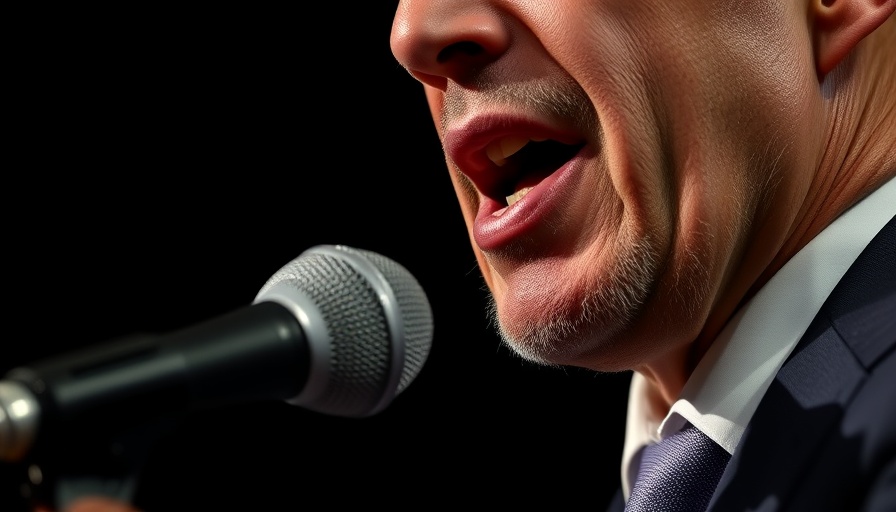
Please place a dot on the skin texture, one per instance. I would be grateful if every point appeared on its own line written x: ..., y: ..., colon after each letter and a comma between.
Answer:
x: 707, y: 132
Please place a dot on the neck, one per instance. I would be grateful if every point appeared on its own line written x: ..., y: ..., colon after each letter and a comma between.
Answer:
x: 861, y: 130
x: 857, y: 156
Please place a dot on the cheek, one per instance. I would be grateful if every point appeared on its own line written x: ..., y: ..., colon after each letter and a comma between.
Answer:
x: 612, y: 52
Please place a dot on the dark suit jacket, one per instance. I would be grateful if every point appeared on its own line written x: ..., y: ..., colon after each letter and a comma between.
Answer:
x: 824, y: 435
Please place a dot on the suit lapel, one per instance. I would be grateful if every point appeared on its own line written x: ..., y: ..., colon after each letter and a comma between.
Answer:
x: 805, y: 402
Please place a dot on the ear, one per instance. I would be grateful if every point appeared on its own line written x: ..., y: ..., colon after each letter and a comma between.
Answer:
x: 841, y: 24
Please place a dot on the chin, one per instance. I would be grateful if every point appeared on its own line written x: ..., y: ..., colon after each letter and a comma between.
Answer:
x: 587, y: 332
x: 597, y: 345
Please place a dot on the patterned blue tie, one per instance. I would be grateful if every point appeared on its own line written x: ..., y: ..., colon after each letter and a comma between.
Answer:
x: 678, y: 474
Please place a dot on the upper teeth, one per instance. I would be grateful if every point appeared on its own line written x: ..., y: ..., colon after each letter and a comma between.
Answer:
x: 502, y: 149
x: 499, y: 150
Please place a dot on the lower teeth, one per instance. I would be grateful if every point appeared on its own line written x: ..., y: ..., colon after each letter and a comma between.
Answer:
x: 516, y: 196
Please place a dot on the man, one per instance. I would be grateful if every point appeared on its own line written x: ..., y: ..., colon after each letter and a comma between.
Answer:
x: 701, y: 192
x: 693, y: 187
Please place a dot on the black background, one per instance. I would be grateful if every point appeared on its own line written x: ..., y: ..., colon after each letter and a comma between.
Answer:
x: 164, y: 163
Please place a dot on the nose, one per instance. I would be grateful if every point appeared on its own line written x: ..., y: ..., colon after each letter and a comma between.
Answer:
x: 449, y: 40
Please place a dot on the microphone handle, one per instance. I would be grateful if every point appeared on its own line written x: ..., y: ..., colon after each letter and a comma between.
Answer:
x: 256, y: 352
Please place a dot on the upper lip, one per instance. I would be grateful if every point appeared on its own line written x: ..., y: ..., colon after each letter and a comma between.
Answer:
x: 468, y: 146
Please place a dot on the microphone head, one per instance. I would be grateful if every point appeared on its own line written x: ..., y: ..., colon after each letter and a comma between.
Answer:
x: 367, y: 321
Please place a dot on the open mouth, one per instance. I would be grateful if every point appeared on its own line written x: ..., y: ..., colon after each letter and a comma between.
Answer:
x: 522, y: 163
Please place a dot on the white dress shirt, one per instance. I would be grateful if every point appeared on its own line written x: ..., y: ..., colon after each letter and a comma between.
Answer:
x: 725, y: 388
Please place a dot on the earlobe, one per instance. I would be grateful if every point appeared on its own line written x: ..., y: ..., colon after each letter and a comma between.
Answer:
x: 841, y: 24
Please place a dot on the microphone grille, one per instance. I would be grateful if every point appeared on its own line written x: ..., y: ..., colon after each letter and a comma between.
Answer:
x: 368, y: 324
x: 414, y: 310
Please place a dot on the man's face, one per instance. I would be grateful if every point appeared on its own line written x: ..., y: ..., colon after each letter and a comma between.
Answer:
x: 626, y: 168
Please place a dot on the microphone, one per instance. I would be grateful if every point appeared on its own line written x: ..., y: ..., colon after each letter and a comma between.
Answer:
x: 338, y: 330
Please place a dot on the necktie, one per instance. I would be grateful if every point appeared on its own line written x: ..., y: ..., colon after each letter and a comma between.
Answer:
x: 680, y: 473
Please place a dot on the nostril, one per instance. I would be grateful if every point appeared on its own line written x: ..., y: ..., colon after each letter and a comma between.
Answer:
x: 439, y: 42
x: 437, y: 81
x: 467, y: 48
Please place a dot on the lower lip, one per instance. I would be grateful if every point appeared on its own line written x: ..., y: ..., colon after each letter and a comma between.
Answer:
x: 493, y: 231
